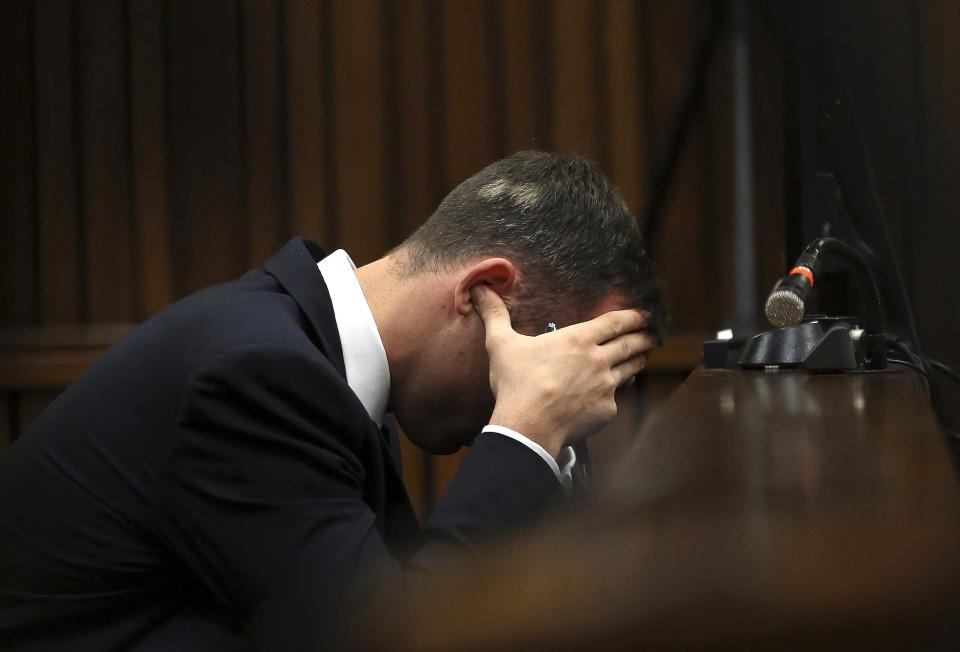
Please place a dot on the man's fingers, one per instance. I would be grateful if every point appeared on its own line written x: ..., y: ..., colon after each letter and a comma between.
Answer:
x: 612, y: 324
x: 627, y: 346
x: 492, y: 310
x: 628, y: 369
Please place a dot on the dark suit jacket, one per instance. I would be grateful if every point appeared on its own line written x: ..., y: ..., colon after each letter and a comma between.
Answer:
x: 212, y: 475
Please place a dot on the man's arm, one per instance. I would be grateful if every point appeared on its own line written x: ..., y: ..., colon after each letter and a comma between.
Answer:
x: 264, y: 495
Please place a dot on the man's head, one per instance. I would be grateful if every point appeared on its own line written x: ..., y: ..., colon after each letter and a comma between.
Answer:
x: 560, y: 220
x: 550, y: 234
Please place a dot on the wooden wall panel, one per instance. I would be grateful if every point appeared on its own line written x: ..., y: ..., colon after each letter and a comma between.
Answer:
x: 712, y: 220
x: 61, y: 276
x: 149, y: 157
x: 263, y: 130
x: 104, y: 163
x: 18, y: 291
x: 673, y: 23
x: 307, y: 135
x: 469, y: 135
x: 357, y: 34
x: 937, y: 240
x: 526, y: 75
x: 205, y: 164
x: 419, y: 164
x: 178, y: 144
x: 767, y: 100
x: 627, y: 163
x: 578, y: 89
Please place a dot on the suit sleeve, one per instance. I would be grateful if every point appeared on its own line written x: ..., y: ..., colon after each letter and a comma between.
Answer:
x: 264, y: 494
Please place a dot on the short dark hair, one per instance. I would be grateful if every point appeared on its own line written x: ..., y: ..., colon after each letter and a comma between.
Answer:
x: 560, y: 220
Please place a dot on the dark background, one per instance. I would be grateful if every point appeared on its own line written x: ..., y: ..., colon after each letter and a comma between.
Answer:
x: 149, y: 149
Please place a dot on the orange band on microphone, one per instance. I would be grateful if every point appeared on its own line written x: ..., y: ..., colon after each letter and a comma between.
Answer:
x: 803, y: 271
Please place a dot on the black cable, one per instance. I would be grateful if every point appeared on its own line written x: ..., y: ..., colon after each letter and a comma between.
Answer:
x: 903, y: 347
x: 944, y: 369
x: 687, y: 107
x: 907, y: 363
x: 919, y: 370
x: 924, y: 365
x: 878, y: 203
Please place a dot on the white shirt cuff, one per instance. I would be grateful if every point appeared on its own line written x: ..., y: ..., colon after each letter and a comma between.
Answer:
x: 563, y: 471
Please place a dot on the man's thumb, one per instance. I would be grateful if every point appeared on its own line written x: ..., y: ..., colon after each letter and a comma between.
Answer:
x: 491, y: 308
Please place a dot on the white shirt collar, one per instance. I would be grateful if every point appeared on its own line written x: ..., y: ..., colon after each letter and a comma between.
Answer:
x: 368, y: 372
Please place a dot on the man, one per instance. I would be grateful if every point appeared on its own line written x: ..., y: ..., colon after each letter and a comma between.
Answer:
x: 227, y: 473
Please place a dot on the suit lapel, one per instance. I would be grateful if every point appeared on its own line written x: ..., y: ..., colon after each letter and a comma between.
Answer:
x: 295, y: 267
x: 401, y: 526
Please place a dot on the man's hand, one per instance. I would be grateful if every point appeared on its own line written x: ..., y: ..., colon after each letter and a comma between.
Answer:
x: 558, y: 388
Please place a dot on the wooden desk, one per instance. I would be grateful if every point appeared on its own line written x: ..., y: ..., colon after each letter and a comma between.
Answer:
x: 771, y: 510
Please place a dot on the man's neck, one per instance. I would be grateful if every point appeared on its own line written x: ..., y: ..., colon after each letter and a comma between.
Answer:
x: 405, y: 310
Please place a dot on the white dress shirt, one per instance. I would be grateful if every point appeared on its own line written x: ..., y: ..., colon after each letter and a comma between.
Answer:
x: 365, y: 360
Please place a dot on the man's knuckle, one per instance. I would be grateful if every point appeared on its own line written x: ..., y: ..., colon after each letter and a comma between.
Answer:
x: 609, y: 383
x: 598, y: 361
x: 616, y: 324
x: 609, y: 410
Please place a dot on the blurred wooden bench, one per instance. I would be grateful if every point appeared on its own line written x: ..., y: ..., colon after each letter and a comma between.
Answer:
x: 758, y: 511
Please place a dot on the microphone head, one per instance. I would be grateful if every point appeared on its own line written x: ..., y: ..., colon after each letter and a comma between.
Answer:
x: 784, y: 308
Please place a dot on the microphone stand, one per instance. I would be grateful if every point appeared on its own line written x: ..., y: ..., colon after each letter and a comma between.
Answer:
x: 871, y: 340
x: 820, y: 344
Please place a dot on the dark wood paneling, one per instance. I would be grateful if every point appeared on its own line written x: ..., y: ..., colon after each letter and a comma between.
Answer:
x: 148, y: 166
x: 711, y: 152
x: 205, y: 165
x: 468, y: 129
x: 17, y: 241
x: 62, y: 290
x: 357, y: 33
x: 307, y: 54
x: 680, y: 241
x: 936, y: 236
x: 179, y: 143
x: 263, y: 127
x: 104, y: 164
x: 767, y: 96
x: 418, y: 178
x: 577, y: 88
x: 523, y: 124
x: 527, y: 74
x: 622, y: 51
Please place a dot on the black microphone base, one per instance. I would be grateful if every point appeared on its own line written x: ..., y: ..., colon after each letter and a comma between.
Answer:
x: 822, y: 345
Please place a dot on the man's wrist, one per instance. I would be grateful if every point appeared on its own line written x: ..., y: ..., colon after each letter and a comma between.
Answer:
x: 531, y: 431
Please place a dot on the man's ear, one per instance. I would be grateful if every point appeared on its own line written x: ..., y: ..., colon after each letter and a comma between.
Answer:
x: 498, y: 274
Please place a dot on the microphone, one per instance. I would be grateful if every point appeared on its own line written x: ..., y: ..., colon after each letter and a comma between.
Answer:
x: 786, y: 304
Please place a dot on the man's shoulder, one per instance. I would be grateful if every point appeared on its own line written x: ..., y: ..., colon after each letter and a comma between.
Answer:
x: 253, y: 310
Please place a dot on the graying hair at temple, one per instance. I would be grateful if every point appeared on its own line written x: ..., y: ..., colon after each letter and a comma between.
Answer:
x: 560, y: 219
